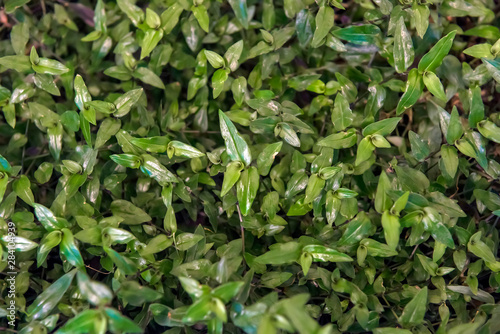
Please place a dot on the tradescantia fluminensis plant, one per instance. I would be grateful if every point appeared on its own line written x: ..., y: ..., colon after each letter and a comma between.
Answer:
x: 250, y: 166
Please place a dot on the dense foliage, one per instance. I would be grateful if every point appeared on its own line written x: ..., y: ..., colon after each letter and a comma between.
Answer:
x: 244, y: 166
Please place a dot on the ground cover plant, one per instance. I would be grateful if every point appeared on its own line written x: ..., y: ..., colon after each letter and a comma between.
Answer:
x: 244, y: 166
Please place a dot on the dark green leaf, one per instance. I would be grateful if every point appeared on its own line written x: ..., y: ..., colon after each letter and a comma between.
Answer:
x: 413, y: 90
x: 48, y: 299
x: 433, y: 59
x: 236, y: 146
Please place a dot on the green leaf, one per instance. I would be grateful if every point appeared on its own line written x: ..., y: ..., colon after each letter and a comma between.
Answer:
x: 198, y: 311
x: 48, y: 299
x: 48, y: 242
x: 22, y: 93
x: 392, y: 229
x: 119, y: 323
x: 356, y: 230
x: 134, y: 293
x: 305, y: 262
x: 314, y: 187
x: 304, y: 24
x: 267, y: 156
x: 152, y: 19
x: 324, y: 254
x: 414, y: 312
x: 375, y: 248
x: 118, y: 72
x: 413, y: 90
x: 489, y: 130
x: 82, y: 95
x: 274, y: 279
x: 158, y: 243
x: 298, y: 315
x: 170, y: 17
x: 480, y: 249
x: 240, y: 11
x: 476, y: 113
x: 236, y: 146
x: 218, y: 81
x: 185, y: 241
x: 488, y: 198
x: 365, y: 150
x: 4, y: 179
x: 47, y: 218
x: 17, y: 63
x: 180, y: 149
x: 481, y: 295
x: 281, y: 253
x: 214, y: 59
x: 412, y: 179
x: 11, y: 5
x: 227, y: 291
x: 455, y: 129
x: 480, y: 51
x: 4, y: 165
x: 147, y: 76
x: 347, y: 88
x: 69, y: 249
x: 152, y: 144
x: 154, y: 169
x: 87, y: 321
x: 387, y: 330
x: 332, y: 206
x: 400, y: 204
x: 379, y: 141
x: 484, y: 31
x: 95, y: 292
x: 108, y: 128
x: 112, y: 235
x: 419, y: 148
x: 93, y: 36
x: 201, y: 14
x: 193, y: 287
x: 433, y: 59
x: 43, y: 65
x: 441, y: 233
x: 233, y: 55
x: 123, y: 263
x: 285, y: 131
x: 247, y: 188
x: 238, y: 87
x: 360, y: 34
x: 22, y: 187
x: 343, y: 139
x: 74, y: 183
x: 383, y: 127
x: 55, y: 140
x: 134, y: 13
x: 324, y: 22
x: 71, y: 120
x: 131, y: 214
x: 46, y: 82
x: 421, y: 14
x: 21, y: 244
x: 342, y: 116
x: 403, y: 47
x: 493, y: 67
x: 449, y: 160
x: 231, y: 176
x: 434, y: 85
x: 151, y: 39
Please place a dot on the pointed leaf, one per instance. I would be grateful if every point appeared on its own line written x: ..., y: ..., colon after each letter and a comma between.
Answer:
x: 236, y: 146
